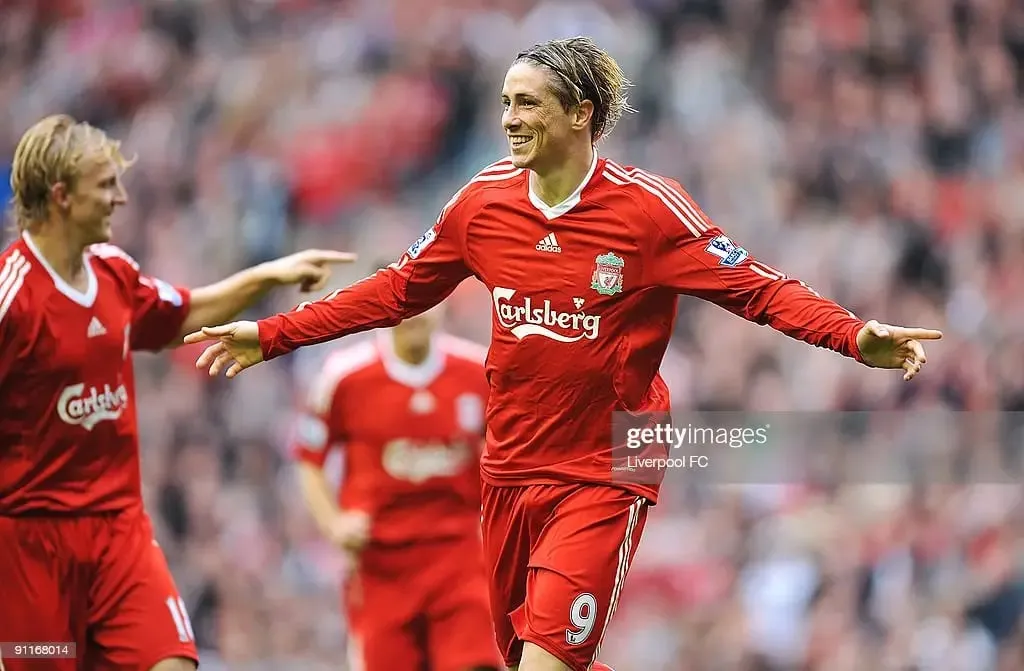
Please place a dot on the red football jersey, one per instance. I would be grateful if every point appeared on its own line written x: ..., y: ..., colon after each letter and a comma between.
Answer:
x: 410, y: 436
x: 68, y: 434
x: 584, y: 299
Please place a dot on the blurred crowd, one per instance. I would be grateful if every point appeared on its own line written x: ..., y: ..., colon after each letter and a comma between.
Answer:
x: 872, y: 148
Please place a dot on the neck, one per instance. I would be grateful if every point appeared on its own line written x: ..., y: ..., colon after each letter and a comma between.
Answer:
x: 554, y: 186
x: 412, y: 354
x: 61, y: 251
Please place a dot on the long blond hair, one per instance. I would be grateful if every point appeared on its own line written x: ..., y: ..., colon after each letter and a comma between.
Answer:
x: 51, y: 152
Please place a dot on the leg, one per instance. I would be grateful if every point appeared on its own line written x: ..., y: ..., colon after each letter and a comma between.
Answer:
x: 381, y: 609
x: 378, y: 645
x: 459, y: 632
x: 43, y: 588
x: 506, y: 541
x: 576, y: 574
x: 539, y: 659
x: 138, y: 620
x: 536, y: 658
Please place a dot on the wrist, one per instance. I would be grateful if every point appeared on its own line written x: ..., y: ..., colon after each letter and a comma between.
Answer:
x: 268, y: 332
x: 264, y: 276
x: 854, y: 342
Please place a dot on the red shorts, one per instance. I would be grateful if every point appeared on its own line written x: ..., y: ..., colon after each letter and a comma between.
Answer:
x: 558, y: 556
x: 100, y: 581
x: 420, y: 606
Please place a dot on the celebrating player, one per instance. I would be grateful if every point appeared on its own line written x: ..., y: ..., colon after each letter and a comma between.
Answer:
x: 77, y: 555
x: 407, y: 410
x: 584, y: 259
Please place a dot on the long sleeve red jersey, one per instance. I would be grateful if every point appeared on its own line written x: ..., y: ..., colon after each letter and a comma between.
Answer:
x: 69, y: 437
x: 584, y: 300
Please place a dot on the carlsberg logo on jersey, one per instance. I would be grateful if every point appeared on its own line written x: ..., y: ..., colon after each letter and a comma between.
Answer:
x: 87, y: 409
x: 411, y: 461
x: 527, y: 317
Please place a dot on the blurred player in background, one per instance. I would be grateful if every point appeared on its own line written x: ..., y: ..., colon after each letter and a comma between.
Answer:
x: 78, y: 561
x: 406, y: 410
x: 584, y: 259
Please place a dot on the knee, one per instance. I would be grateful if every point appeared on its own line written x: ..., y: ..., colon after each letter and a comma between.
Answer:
x: 174, y: 664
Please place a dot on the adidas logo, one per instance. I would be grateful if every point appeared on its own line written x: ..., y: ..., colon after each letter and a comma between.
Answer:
x: 549, y: 244
x: 95, y: 328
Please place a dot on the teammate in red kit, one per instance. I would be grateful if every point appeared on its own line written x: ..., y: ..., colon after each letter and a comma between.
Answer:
x: 407, y: 411
x: 77, y: 555
x: 584, y: 259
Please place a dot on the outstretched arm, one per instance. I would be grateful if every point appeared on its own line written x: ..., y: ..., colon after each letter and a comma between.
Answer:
x: 426, y: 274
x: 162, y: 312
x: 692, y: 256
x: 423, y: 277
x: 219, y: 302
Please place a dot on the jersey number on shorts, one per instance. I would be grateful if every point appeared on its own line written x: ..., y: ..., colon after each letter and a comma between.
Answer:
x: 181, y: 620
x: 582, y: 615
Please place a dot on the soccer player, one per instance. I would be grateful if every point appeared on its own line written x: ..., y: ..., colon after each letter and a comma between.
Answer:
x: 584, y: 259
x: 406, y: 409
x: 78, y: 560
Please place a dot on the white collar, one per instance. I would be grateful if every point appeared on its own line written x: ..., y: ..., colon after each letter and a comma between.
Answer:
x: 411, y: 375
x: 553, y: 211
x: 84, y: 299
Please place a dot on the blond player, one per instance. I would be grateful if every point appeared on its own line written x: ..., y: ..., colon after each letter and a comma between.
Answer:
x: 78, y: 561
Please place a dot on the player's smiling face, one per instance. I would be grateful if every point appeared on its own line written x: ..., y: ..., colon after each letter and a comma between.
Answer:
x: 97, y: 192
x: 538, y: 128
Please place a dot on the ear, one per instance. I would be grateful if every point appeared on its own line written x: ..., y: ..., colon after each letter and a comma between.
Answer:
x: 60, y: 196
x: 582, y: 115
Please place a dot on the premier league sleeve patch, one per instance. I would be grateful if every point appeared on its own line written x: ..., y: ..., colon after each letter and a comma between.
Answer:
x: 728, y: 253
x: 417, y: 247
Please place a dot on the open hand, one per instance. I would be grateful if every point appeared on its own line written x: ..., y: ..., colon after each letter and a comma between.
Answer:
x: 885, y: 346
x: 310, y: 269
x: 237, y: 347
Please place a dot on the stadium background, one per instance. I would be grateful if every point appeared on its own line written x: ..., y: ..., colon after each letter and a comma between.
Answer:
x: 873, y: 149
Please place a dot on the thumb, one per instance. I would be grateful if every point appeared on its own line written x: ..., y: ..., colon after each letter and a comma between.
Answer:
x: 206, y: 333
x: 219, y: 331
